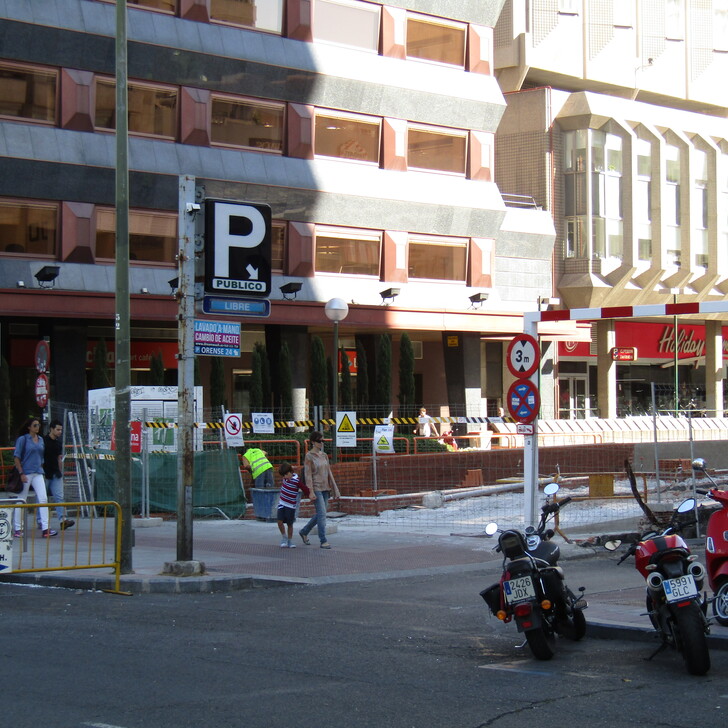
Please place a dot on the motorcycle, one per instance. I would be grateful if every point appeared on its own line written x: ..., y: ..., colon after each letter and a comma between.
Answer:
x: 674, y: 579
x: 532, y: 590
x: 716, y: 546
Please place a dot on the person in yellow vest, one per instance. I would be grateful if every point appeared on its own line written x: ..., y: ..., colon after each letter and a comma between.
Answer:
x: 259, y: 467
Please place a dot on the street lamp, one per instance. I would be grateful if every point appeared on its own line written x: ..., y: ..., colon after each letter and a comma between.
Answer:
x: 336, y: 310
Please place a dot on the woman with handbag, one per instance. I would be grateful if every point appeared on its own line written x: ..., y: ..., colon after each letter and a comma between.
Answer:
x: 28, y: 457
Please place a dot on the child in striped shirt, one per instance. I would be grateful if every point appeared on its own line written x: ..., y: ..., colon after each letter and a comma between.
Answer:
x: 287, y: 503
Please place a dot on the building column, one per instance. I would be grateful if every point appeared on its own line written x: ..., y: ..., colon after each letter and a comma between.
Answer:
x: 461, y: 354
x: 714, y: 368
x: 606, y: 369
x: 298, y: 347
x: 68, y: 366
x: 546, y: 383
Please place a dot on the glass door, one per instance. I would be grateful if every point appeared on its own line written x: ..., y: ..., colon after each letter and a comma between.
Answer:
x: 574, y: 400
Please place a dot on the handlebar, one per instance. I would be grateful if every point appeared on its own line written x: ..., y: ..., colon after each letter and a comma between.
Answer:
x: 702, y: 492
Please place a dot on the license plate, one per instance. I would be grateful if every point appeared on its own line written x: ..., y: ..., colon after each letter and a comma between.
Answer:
x: 516, y: 590
x: 681, y: 588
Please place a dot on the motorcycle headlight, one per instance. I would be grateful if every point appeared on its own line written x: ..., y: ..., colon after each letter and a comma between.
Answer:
x: 532, y: 542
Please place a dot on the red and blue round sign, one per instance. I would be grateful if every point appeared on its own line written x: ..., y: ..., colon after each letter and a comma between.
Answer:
x: 523, y: 400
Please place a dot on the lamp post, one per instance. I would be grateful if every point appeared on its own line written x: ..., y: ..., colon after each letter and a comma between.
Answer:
x: 336, y: 310
x: 675, y: 292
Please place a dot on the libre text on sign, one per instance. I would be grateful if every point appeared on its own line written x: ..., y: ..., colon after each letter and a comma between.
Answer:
x: 217, y: 338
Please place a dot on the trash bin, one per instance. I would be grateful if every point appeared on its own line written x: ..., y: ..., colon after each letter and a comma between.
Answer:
x: 265, y: 503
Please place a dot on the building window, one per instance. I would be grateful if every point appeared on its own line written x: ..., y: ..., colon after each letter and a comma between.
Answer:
x: 258, y: 14
x: 431, y: 39
x: 723, y: 215
x: 569, y: 7
x: 152, y: 109
x: 720, y: 25
x: 442, y: 259
x: 247, y: 124
x: 28, y: 228
x: 28, y: 93
x: 168, y: 5
x: 152, y: 235
x: 624, y: 13
x: 347, y: 136
x: 278, y: 246
x: 354, y: 252
x: 347, y: 22
x: 606, y: 152
x: 671, y: 205
x: 439, y: 150
x: 643, y: 200
x: 675, y: 19
x: 699, y: 212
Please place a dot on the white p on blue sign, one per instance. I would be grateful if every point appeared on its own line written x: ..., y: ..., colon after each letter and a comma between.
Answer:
x: 237, y: 248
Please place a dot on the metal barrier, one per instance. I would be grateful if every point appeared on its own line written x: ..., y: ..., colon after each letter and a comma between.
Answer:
x: 91, y: 544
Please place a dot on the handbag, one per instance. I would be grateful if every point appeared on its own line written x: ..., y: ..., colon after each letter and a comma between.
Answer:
x: 15, y: 481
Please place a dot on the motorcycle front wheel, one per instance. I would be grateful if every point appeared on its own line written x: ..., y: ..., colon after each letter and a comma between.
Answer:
x: 720, y: 605
x: 693, y: 643
x: 541, y: 642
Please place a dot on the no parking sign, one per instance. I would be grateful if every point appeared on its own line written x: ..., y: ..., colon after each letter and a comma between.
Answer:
x: 6, y: 541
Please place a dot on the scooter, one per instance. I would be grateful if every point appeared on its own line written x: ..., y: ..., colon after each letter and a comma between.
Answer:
x: 674, y: 578
x: 716, y: 545
x: 532, y: 590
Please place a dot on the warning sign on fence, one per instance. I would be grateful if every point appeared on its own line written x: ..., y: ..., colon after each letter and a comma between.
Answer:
x: 6, y: 541
x: 346, y: 429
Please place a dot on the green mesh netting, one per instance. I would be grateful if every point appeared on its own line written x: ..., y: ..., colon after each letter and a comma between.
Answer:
x: 216, y: 484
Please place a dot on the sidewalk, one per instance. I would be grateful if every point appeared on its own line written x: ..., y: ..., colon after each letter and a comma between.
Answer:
x: 246, y: 554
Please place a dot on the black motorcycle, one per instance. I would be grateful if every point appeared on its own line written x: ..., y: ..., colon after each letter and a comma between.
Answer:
x: 532, y: 590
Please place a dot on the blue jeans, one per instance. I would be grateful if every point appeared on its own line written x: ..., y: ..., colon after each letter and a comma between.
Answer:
x: 322, y: 499
x: 55, y: 495
x: 264, y: 480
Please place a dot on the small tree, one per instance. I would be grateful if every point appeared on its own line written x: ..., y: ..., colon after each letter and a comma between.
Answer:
x: 362, y: 377
x: 346, y: 393
x: 384, y: 375
x: 100, y: 375
x: 318, y: 373
x: 217, y: 384
x: 156, y: 370
x: 285, y: 381
x: 256, y: 383
x: 406, y: 376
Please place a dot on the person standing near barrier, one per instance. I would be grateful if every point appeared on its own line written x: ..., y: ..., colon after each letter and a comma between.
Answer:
x: 321, y: 483
x: 53, y: 470
x: 259, y: 467
x: 425, y: 424
x: 28, y: 457
x: 288, y: 500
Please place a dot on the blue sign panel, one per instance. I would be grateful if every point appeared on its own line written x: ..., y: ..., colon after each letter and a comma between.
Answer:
x: 217, y: 338
x: 236, y: 306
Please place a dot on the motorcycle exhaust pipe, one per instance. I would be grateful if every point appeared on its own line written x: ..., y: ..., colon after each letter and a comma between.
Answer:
x: 654, y: 581
x: 698, y: 572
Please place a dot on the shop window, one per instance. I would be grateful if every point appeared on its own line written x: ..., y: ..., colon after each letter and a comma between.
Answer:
x: 442, y: 151
x: 348, y: 137
x: 347, y: 22
x: 28, y: 228
x: 431, y: 39
x: 247, y: 124
x: 28, y: 93
x: 152, y: 235
x: 442, y: 259
x: 258, y: 14
x: 152, y: 109
x: 347, y: 251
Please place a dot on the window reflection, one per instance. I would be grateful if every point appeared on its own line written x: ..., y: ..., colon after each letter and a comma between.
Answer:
x: 28, y: 228
x: 431, y: 40
x: 259, y: 14
x: 247, y: 124
x: 152, y: 235
x: 347, y: 251
x: 438, y: 259
x: 27, y: 93
x: 348, y: 138
x: 430, y: 149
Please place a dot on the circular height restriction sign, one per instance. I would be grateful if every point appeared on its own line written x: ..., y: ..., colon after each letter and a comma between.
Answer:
x: 523, y: 356
x: 524, y: 400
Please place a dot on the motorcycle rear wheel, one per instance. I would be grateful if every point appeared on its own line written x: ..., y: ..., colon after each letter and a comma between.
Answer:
x: 693, y: 642
x: 720, y: 605
x: 541, y: 642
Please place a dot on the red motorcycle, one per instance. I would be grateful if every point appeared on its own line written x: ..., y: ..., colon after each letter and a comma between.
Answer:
x: 674, y: 602
x: 716, y: 546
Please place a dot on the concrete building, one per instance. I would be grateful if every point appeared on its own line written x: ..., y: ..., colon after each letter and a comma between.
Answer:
x: 369, y: 128
x: 616, y: 124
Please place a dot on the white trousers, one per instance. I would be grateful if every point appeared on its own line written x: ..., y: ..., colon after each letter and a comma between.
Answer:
x: 36, y: 481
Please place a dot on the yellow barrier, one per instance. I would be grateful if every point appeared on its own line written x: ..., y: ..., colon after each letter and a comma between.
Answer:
x: 90, y: 544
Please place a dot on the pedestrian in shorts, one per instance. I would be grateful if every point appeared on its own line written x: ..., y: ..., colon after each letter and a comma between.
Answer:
x: 287, y: 502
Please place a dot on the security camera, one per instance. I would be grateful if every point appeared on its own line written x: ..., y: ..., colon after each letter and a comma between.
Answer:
x: 192, y: 207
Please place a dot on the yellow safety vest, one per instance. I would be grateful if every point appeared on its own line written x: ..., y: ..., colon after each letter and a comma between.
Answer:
x: 258, y: 461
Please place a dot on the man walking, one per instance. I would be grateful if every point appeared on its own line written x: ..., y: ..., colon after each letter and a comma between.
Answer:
x: 53, y: 470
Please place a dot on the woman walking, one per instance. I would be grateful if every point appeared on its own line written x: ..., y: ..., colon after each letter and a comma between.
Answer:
x: 28, y: 457
x: 320, y: 481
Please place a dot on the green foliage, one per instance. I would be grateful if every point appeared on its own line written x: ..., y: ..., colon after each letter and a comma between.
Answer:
x: 156, y: 370
x: 217, y: 384
x: 362, y: 376
x: 265, y: 378
x: 318, y: 372
x: 347, y: 398
x: 285, y: 380
x: 256, y: 383
x: 100, y: 375
x: 383, y: 396
x: 406, y: 377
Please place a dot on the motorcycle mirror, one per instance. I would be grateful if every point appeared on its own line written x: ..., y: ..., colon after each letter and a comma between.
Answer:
x: 612, y: 545
x: 687, y: 505
x: 551, y: 488
x: 491, y: 529
x: 699, y: 464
